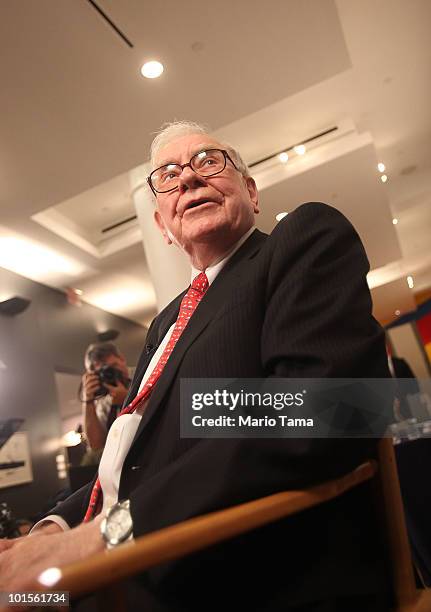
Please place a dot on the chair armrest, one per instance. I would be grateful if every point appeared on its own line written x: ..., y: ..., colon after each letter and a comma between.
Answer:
x: 108, y: 567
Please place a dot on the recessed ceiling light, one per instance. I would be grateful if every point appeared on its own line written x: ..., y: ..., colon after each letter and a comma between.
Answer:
x: 410, y: 282
x: 395, y: 221
x: 383, y: 178
x: 281, y: 216
x: 381, y: 167
x: 398, y: 312
x: 152, y: 70
x: 283, y: 157
x: 299, y: 149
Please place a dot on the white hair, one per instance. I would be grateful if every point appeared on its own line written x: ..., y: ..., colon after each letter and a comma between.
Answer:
x: 177, y: 129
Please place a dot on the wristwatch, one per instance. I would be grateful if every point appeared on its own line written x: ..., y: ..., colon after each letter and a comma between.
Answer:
x: 117, y: 526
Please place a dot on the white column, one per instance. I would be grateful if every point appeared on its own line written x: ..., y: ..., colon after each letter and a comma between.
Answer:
x: 169, y: 267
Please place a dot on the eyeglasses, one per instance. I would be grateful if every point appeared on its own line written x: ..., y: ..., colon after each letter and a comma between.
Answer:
x: 205, y: 163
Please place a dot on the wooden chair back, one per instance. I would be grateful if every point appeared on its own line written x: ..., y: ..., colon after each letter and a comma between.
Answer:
x: 109, y: 568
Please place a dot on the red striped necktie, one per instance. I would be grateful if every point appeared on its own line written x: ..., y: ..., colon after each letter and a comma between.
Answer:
x: 188, y: 305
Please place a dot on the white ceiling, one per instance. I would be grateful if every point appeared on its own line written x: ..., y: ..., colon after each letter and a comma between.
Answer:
x: 76, y: 116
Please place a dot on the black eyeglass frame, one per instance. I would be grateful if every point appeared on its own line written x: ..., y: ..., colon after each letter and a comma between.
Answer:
x: 189, y: 164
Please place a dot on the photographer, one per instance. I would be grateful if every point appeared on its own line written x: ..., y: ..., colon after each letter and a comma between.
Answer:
x: 104, y: 389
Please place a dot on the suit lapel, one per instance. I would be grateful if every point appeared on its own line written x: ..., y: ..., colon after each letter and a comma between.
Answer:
x: 155, y: 336
x: 212, y: 303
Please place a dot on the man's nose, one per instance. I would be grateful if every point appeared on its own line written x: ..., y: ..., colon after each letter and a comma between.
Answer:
x: 188, y: 179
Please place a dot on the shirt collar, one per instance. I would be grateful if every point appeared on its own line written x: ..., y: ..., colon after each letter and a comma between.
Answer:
x: 214, y: 269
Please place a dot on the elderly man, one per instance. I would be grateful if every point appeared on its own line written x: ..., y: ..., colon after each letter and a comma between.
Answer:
x: 292, y: 304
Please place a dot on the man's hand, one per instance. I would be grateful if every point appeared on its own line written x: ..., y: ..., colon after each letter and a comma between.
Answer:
x: 90, y: 384
x: 5, y: 543
x: 118, y: 393
x: 45, y: 529
x: 21, y: 564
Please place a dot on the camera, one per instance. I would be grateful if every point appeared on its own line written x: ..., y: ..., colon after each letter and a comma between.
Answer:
x: 108, y: 375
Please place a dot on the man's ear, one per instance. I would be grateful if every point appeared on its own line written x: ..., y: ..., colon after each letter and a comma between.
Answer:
x: 253, y: 193
x: 161, y: 225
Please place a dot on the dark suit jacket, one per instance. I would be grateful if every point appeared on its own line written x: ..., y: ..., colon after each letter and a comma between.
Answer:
x: 292, y: 304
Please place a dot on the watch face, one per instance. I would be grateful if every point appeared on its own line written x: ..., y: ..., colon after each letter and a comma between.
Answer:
x: 119, y: 525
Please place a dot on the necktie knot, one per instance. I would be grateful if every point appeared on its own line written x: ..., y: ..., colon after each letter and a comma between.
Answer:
x: 200, y: 282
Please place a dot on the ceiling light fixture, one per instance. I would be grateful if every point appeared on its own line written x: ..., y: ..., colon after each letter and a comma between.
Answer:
x: 395, y: 221
x: 410, y: 282
x: 152, y: 70
x: 299, y: 149
x: 383, y: 178
x: 283, y: 157
x: 312, y: 139
x: 381, y: 167
x: 398, y: 312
